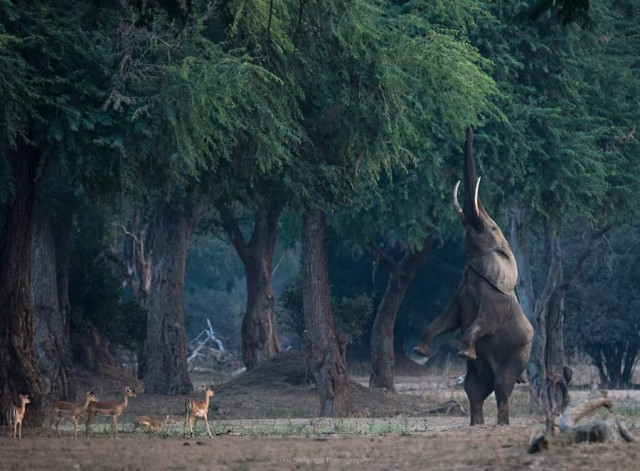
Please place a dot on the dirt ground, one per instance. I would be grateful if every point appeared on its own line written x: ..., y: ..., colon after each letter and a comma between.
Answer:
x: 265, y: 420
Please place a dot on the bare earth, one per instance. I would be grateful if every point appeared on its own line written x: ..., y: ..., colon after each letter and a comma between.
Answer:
x: 270, y: 425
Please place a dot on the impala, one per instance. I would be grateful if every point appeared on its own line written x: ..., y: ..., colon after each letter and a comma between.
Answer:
x: 106, y: 408
x: 16, y: 414
x: 60, y: 409
x: 148, y: 422
x: 198, y: 409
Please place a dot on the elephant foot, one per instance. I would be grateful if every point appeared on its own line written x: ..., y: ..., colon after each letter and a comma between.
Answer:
x: 422, y: 350
x: 468, y: 354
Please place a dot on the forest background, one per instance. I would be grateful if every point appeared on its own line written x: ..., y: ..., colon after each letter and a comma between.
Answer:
x: 284, y: 169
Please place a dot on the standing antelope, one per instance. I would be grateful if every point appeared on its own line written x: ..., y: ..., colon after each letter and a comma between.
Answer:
x: 112, y: 408
x: 16, y: 414
x: 73, y: 411
x: 198, y: 409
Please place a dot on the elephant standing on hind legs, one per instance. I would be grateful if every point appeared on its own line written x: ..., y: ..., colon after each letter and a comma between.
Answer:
x: 496, y: 334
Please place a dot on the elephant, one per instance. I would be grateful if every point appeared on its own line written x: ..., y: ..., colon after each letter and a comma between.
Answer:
x: 496, y: 334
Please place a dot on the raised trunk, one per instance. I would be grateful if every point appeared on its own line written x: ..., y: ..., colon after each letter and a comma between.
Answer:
x: 18, y: 366
x: 325, y: 349
x: 259, y: 339
x: 401, y: 275
x: 168, y: 373
x: 51, y: 340
x: 470, y: 176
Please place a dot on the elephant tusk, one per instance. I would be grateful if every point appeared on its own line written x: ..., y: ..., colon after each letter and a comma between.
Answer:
x: 455, y: 200
x: 475, y: 199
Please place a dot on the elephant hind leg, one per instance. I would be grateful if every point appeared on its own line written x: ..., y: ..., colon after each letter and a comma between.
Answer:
x: 478, y: 389
x: 469, y: 338
x: 504, y: 388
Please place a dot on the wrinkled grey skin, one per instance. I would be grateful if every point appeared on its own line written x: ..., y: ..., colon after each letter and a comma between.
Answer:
x: 496, y: 334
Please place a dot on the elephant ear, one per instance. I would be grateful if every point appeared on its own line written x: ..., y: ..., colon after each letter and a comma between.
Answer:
x: 498, y: 266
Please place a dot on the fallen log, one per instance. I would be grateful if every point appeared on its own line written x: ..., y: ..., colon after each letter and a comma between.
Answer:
x: 451, y: 407
x: 597, y: 431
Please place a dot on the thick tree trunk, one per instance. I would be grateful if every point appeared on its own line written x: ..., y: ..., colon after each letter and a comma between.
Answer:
x: 51, y: 339
x: 325, y: 350
x: 18, y: 366
x: 63, y: 230
x: 401, y: 275
x: 259, y: 338
x: 168, y: 373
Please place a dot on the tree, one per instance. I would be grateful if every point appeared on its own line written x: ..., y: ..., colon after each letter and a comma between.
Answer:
x: 324, y: 345
x: 195, y: 101
x: 561, y: 139
x: 49, y: 285
x: 362, y: 103
x: 602, y: 316
x: 442, y: 85
x: 255, y: 179
x: 259, y: 339
x: 48, y: 53
x: 172, y: 230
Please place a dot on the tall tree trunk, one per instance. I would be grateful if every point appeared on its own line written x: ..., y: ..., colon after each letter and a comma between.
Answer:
x: 259, y: 338
x: 548, y: 374
x: 168, y: 373
x: 536, y: 368
x: 325, y: 349
x: 551, y: 307
x: 401, y: 275
x: 18, y: 366
x: 63, y: 230
x: 539, y: 375
x: 519, y: 240
x: 139, y: 274
x: 51, y: 339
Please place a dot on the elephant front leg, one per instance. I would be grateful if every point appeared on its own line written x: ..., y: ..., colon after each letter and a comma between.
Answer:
x: 447, y: 322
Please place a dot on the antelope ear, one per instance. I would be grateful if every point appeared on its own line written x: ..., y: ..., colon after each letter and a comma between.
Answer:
x: 498, y: 267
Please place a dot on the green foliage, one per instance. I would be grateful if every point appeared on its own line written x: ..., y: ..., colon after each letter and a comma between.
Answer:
x: 55, y: 74
x: 387, y: 79
x: 565, y: 151
x: 350, y: 314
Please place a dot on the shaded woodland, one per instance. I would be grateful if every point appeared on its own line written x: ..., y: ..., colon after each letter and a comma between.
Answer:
x: 284, y: 169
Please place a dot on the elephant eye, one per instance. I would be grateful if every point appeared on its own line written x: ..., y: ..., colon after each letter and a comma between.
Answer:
x: 494, y: 228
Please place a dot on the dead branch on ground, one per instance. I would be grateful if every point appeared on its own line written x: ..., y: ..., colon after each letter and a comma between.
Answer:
x: 597, y: 431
